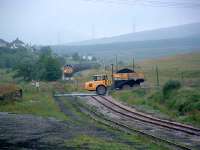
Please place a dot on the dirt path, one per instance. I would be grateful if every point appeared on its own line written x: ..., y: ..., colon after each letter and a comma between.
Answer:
x: 31, y: 132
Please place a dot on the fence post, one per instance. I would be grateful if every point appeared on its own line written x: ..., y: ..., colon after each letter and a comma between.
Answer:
x: 116, y: 63
x: 112, y: 76
x: 157, y: 77
x: 133, y: 64
x: 182, y: 78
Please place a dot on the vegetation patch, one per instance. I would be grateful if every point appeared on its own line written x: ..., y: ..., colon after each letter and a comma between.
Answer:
x: 180, y: 103
x: 91, y: 142
x: 34, y: 102
x: 170, y: 86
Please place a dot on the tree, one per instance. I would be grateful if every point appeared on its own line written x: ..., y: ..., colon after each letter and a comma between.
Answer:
x: 25, y: 69
x: 46, y: 67
x: 46, y: 50
x: 53, y: 69
x: 76, y: 57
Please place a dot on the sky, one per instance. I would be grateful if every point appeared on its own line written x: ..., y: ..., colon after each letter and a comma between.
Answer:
x: 49, y: 22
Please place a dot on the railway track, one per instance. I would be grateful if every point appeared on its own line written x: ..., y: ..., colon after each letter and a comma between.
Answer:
x: 130, y: 113
x: 115, y: 124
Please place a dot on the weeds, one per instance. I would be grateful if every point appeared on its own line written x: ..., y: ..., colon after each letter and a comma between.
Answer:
x: 169, y: 86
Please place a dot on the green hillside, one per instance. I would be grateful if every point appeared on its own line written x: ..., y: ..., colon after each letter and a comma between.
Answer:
x: 185, y: 67
x: 141, y: 50
x: 177, y: 97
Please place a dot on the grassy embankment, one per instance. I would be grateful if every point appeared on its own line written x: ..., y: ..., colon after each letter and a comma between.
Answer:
x: 41, y: 104
x: 92, y: 142
x: 34, y: 102
x: 182, y: 103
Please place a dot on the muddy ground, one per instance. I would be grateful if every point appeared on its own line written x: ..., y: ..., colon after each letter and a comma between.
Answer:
x: 19, y: 131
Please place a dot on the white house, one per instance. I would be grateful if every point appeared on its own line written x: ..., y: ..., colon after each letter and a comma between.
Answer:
x: 17, y: 43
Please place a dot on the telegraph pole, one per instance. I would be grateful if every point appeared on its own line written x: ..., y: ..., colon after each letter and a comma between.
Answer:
x: 157, y: 77
x: 112, y: 75
x: 133, y: 64
x: 116, y: 61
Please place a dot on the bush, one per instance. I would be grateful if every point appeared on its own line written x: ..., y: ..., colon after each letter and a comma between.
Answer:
x: 185, y: 100
x: 170, y: 86
x: 156, y: 96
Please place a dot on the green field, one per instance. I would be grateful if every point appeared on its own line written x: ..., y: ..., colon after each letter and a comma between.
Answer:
x: 182, y: 104
x: 34, y: 102
x: 185, y: 67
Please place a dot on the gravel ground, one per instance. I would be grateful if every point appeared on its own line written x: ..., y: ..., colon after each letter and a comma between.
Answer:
x: 169, y: 134
x: 31, y: 132
x: 27, y: 132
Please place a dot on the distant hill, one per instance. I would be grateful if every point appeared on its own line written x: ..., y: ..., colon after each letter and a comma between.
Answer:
x: 141, y: 45
x: 139, y: 49
x: 180, y: 31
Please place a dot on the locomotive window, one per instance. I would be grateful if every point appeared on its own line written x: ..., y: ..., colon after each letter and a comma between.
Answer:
x: 96, y: 78
x: 104, y: 77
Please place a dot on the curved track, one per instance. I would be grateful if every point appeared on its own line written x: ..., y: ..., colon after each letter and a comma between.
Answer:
x: 128, y: 112
x: 131, y: 114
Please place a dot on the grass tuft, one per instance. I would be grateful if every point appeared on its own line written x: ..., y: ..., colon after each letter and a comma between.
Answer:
x: 170, y: 86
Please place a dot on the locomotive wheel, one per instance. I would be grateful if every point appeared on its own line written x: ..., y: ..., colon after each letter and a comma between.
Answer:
x: 101, y: 90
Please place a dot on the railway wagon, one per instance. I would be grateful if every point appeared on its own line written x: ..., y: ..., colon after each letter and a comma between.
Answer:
x: 70, y: 69
x: 122, y: 79
x: 126, y: 78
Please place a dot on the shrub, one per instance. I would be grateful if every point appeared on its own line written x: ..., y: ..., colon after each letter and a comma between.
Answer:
x: 139, y: 92
x: 170, y: 86
x: 185, y: 100
x: 156, y: 96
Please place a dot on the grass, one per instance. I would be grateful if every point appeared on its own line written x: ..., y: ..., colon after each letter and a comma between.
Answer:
x: 35, y: 103
x: 92, y: 142
x: 184, y: 68
x: 6, y: 76
x: 182, y: 105
x: 118, y: 141
x: 39, y: 103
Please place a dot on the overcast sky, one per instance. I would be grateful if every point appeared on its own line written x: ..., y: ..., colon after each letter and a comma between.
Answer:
x: 63, y: 21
